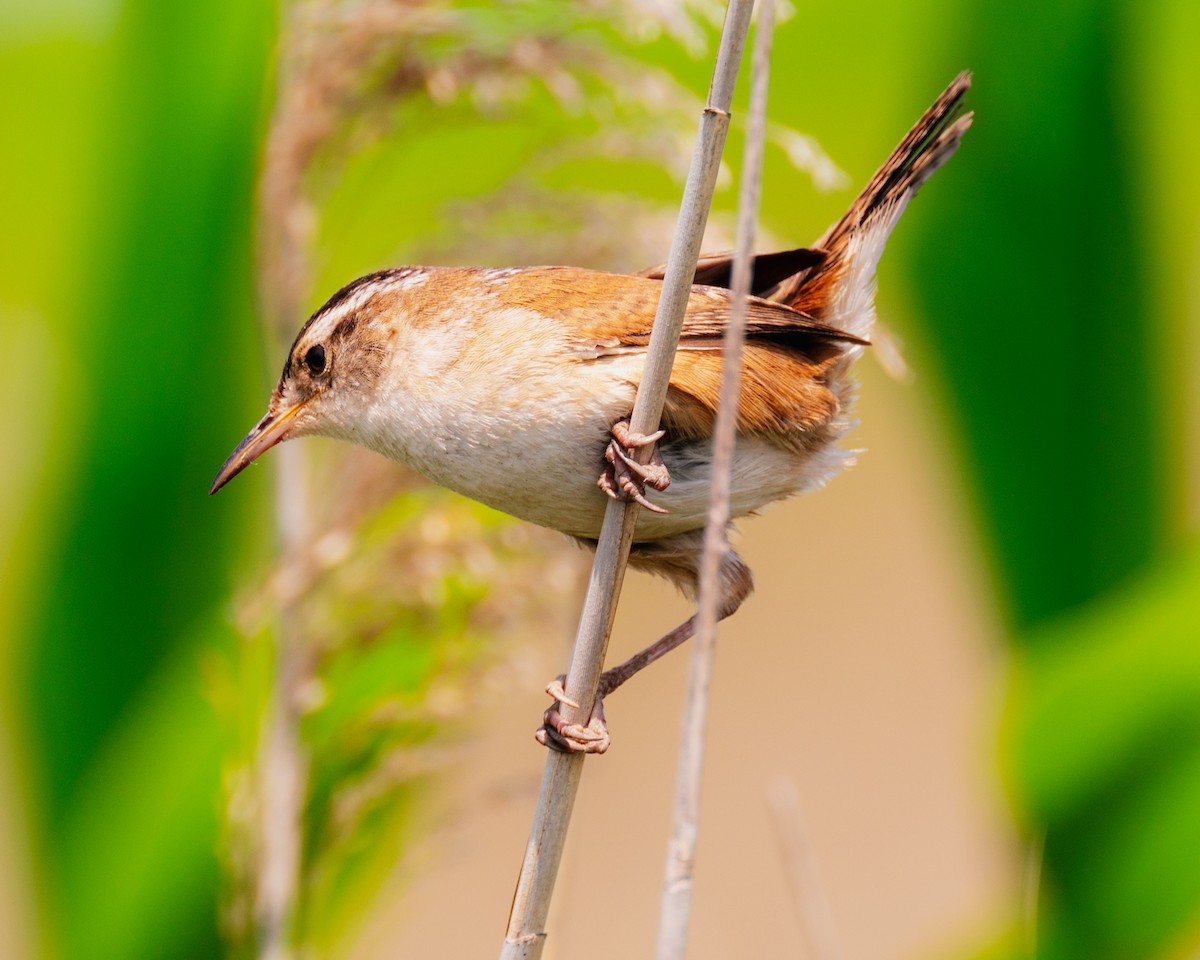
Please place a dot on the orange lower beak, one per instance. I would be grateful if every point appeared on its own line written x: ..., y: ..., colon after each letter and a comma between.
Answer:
x: 270, y: 430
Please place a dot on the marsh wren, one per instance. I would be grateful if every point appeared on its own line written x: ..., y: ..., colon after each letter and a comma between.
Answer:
x: 513, y: 386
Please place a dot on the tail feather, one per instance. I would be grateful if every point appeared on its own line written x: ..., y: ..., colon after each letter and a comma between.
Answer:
x: 839, y: 290
x: 834, y: 280
x: 929, y: 144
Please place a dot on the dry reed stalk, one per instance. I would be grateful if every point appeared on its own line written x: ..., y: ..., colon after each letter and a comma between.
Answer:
x: 525, y: 936
x: 282, y: 764
x: 800, y: 868
x: 681, y: 851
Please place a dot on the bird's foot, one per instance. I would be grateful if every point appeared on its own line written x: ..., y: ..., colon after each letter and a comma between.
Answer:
x: 557, y: 734
x: 626, y: 479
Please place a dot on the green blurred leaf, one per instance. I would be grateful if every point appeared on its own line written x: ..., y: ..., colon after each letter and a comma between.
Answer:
x: 137, y: 862
x: 1032, y: 261
x: 138, y: 198
x: 1104, y: 744
x: 1051, y: 267
x: 164, y: 283
x: 1106, y: 685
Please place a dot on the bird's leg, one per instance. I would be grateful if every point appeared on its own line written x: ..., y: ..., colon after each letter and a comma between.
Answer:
x: 624, y: 478
x: 676, y: 559
x: 613, y: 677
x: 556, y: 733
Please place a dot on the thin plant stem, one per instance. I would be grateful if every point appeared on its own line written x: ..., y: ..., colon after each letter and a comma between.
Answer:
x: 681, y: 851
x: 282, y: 762
x: 800, y: 869
x: 525, y: 935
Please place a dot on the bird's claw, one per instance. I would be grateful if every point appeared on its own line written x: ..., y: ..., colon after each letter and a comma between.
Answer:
x: 654, y: 473
x: 634, y: 441
x: 558, y: 691
x: 558, y: 734
x: 625, y: 478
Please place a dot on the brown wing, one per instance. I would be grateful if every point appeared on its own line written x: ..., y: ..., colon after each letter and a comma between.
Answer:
x: 787, y: 352
x: 784, y: 394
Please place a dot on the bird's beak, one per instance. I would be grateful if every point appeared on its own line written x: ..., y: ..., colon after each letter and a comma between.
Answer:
x: 270, y: 430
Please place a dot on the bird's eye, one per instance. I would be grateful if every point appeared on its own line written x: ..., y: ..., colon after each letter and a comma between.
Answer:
x: 315, y: 360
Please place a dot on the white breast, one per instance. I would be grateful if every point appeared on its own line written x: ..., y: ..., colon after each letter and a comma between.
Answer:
x: 519, y: 428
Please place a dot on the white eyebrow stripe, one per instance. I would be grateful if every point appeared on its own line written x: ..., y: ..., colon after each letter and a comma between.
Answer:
x: 403, y: 279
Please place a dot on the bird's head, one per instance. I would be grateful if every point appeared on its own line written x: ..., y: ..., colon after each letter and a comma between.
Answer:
x: 331, y: 368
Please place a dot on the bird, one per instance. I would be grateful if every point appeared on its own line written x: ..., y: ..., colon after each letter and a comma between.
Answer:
x: 514, y: 386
